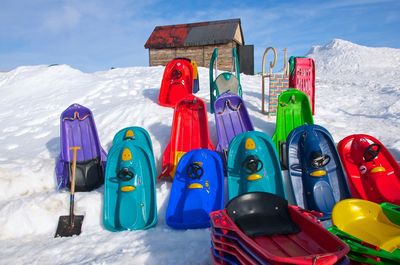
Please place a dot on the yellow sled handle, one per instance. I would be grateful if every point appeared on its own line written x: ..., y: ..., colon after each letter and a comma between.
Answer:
x: 74, y: 158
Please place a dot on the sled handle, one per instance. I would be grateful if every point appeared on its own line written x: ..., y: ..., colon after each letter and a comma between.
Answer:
x: 194, y: 171
x: 264, y: 75
x: 125, y: 174
x: 74, y: 158
x: 370, y: 153
x: 252, y: 164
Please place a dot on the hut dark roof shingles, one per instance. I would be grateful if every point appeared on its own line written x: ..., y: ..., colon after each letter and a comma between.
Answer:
x: 194, y: 34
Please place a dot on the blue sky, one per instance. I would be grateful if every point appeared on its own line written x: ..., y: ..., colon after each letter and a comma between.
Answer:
x: 95, y: 35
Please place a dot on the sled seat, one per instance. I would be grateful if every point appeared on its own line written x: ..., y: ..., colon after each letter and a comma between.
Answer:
x: 261, y: 214
x: 89, y: 175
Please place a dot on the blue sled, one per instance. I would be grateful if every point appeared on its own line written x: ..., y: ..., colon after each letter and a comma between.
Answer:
x: 197, y: 190
x: 315, y: 171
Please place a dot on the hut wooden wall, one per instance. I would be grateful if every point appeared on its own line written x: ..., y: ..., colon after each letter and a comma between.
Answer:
x: 201, y: 54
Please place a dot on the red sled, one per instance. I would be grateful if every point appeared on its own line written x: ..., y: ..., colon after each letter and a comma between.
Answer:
x: 179, y: 80
x: 372, y: 172
x: 189, y: 132
x: 302, y: 77
x: 276, y: 232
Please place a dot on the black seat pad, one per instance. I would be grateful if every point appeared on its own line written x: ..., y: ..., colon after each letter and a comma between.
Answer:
x: 89, y: 175
x: 261, y: 214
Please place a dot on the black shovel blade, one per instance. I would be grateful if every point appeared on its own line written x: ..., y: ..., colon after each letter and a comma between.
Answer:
x: 65, y: 228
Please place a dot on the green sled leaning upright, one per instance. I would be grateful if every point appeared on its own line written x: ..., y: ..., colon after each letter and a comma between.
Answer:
x: 293, y: 111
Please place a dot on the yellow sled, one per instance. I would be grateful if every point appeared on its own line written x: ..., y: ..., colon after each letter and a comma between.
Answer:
x: 378, y: 225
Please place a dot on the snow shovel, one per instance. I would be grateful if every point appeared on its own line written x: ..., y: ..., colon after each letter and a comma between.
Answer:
x: 70, y: 225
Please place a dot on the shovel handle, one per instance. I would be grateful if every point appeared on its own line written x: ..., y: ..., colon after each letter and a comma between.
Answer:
x: 74, y: 158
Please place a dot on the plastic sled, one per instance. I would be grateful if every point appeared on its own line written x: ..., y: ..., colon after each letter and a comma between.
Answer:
x: 224, y: 81
x: 129, y: 189
x: 232, y: 255
x: 364, y: 253
x: 253, y: 165
x: 316, y: 174
x: 228, y: 239
x: 220, y: 257
x: 197, y: 190
x: 189, y: 131
x: 231, y: 118
x: 178, y: 81
x: 277, y: 232
x: 293, y: 111
x: 234, y: 243
x: 302, y: 77
x: 372, y: 172
x: 77, y: 128
x: 378, y: 225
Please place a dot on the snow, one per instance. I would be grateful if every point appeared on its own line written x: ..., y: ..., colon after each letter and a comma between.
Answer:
x: 358, y: 91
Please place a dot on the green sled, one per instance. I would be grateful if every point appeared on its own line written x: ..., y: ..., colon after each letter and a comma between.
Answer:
x: 363, y: 253
x: 293, y: 111
x: 366, y: 253
x: 130, y: 180
x: 253, y: 165
x: 225, y: 81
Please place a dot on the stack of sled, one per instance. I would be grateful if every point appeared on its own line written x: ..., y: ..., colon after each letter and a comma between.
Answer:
x: 261, y: 228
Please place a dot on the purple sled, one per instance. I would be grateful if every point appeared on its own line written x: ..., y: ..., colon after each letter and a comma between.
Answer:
x: 77, y: 128
x: 231, y: 118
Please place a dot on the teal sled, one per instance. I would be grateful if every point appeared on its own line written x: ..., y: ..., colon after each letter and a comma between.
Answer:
x: 253, y: 165
x: 129, y: 188
x: 225, y: 81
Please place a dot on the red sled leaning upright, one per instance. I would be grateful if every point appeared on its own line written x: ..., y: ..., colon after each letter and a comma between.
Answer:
x: 302, y: 77
x: 179, y: 80
x: 189, y: 131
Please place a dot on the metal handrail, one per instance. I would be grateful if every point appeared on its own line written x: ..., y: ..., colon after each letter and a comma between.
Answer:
x: 264, y: 75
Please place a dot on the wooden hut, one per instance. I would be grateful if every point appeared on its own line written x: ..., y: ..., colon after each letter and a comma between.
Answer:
x: 197, y: 41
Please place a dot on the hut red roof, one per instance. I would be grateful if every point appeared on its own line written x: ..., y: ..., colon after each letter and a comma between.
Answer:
x: 194, y: 34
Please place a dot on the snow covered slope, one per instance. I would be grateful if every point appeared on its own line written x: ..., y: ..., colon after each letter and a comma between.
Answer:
x: 358, y: 91
x: 341, y: 58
